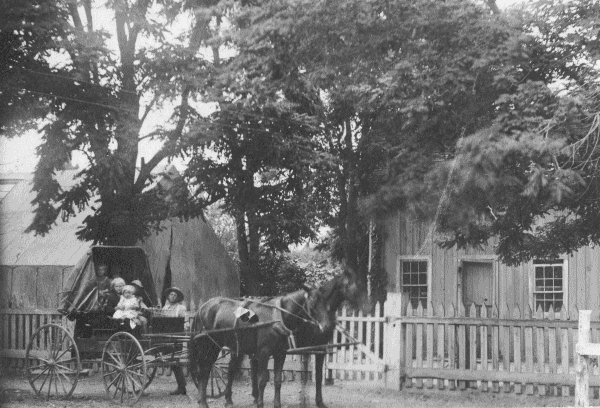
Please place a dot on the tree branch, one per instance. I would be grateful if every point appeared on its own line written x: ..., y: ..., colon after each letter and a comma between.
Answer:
x: 148, y: 108
x: 75, y: 15
x: 493, y: 6
x: 167, y: 150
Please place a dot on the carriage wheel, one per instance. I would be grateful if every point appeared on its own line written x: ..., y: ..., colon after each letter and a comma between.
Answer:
x: 52, y: 362
x: 218, y: 375
x: 124, y: 368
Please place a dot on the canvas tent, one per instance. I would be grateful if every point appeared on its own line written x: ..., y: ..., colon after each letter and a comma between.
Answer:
x: 129, y: 263
x: 34, y: 269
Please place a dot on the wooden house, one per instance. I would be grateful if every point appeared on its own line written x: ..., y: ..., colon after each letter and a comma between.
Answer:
x: 426, y: 273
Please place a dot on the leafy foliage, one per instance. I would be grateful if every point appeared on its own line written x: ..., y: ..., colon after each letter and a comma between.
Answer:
x: 98, y: 104
x: 532, y: 178
x: 27, y: 36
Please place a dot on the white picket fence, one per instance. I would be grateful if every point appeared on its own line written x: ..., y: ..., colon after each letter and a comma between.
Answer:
x: 362, y: 361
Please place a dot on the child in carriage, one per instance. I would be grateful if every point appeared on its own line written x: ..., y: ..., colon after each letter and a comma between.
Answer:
x: 129, y: 307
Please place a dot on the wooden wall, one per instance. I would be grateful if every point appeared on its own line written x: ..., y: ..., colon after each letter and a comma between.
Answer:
x: 403, y: 237
x: 31, y: 286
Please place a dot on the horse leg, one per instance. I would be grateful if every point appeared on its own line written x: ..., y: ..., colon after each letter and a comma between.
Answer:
x: 262, y: 366
x: 319, y: 360
x: 232, y: 369
x: 202, y: 366
x: 254, y: 379
x: 278, y: 360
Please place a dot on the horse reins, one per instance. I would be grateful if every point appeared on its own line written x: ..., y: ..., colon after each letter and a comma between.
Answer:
x: 303, y: 307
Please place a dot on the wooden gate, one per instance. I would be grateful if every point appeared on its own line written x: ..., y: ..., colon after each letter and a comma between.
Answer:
x: 362, y: 361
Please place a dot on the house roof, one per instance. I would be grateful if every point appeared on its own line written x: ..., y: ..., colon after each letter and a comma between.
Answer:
x: 59, y: 247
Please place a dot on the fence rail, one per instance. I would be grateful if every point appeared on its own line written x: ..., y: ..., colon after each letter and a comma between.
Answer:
x: 18, y: 325
x: 507, y: 349
x: 362, y: 361
x: 511, y: 350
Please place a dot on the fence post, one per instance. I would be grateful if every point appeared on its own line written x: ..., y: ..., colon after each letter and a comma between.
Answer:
x: 582, y: 375
x: 394, y: 345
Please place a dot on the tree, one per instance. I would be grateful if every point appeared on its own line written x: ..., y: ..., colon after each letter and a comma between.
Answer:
x: 532, y: 179
x: 259, y: 167
x: 100, y: 104
x: 27, y: 37
x: 394, y: 85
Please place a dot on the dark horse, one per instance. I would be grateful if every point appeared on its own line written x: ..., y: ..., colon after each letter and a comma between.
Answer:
x: 337, y: 290
x: 310, y: 310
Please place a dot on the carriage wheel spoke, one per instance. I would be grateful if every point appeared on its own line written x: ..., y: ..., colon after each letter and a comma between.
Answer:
x: 134, y: 382
x: 132, y: 357
x: 39, y: 374
x: 135, y: 373
x: 66, y: 377
x: 62, y: 354
x: 65, y: 368
x: 50, y: 382
x: 116, y: 377
x: 123, y: 386
x: 45, y: 378
x: 56, y: 378
x: 116, y: 360
x: 117, y: 386
x: 37, y: 367
x: 136, y: 365
x: 112, y: 365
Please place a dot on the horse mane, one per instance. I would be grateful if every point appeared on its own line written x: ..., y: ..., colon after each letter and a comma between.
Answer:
x: 257, y: 298
x: 327, y: 288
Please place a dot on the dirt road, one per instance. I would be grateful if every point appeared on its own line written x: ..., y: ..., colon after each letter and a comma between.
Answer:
x: 16, y: 393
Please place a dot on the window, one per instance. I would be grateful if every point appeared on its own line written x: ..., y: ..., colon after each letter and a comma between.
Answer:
x: 549, y: 289
x: 413, y: 280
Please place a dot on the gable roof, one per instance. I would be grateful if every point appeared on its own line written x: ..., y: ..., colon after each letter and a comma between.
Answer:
x: 59, y: 247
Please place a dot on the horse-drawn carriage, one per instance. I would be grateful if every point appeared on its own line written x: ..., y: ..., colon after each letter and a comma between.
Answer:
x: 224, y: 330
x: 128, y: 357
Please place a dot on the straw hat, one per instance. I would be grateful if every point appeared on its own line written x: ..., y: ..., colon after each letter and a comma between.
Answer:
x: 138, y: 286
x: 177, y: 291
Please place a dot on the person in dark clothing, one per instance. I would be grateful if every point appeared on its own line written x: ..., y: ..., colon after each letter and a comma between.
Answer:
x: 113, y: 297
x: 175, y: 307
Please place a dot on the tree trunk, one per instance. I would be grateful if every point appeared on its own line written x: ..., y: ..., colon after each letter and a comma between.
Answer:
x: 248, y: 252
x: 254, y: 256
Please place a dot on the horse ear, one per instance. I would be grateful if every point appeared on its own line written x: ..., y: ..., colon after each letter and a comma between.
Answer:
x: 307, y: 288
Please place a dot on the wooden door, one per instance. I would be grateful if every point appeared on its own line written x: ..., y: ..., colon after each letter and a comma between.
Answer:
x: 477, y: 284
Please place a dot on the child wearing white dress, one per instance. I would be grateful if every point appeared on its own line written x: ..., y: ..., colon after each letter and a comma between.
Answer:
x: 129, y: 307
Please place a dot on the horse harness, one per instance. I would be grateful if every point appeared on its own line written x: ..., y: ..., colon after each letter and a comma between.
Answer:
x: 277, y: 318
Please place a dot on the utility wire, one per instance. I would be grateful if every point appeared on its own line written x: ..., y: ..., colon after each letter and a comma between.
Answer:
x: 233, y: 127
x: 77, y: 100
x: 72, y: 79
x: 135, y: 93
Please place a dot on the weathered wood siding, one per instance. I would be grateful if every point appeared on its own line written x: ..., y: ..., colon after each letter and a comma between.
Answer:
x: 405, y: 237
x: 31, y: 287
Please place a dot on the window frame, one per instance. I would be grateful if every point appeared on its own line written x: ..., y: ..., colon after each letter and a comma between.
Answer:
x: 565, y: 281
x: 404, y: 258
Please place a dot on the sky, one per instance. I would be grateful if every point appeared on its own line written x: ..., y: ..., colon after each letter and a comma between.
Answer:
x: 19, y: 154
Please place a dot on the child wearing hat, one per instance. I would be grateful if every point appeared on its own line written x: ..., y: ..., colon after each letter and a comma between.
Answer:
x: 174, y: 307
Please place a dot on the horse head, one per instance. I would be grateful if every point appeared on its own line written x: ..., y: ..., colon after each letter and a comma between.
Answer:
x: 325, y: 300
x: 353, y: 289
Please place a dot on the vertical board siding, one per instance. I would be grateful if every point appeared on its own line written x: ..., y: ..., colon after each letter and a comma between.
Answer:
x: 513, y: 285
